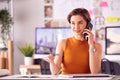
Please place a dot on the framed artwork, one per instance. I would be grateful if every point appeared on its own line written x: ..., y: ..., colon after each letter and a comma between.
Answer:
x: 48, y: 1
x: 112, y: 40
x: 47, y: 23
x: 48, y: 11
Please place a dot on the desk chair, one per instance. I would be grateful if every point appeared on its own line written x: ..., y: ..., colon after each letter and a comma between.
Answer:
x: 45, y: 68
x: 110, y: 67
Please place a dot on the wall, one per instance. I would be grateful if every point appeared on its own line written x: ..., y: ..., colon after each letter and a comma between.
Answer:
x: 28, y: 14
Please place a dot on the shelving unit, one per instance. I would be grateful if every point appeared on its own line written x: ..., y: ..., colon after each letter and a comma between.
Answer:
x: 29, y: 69
x: 6, y: 56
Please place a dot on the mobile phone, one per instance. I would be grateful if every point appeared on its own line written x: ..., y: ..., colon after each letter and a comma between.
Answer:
x: 89, y: 26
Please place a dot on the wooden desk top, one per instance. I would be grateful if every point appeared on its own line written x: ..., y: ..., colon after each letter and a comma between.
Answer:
x: 30, y: 66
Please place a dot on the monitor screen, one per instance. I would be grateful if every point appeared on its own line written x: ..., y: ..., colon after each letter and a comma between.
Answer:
x: 46, y: 38
x: 112, y: 40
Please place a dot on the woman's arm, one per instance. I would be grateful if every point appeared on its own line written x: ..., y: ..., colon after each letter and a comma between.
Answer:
x: 55, y: 61
x: 95, y: 52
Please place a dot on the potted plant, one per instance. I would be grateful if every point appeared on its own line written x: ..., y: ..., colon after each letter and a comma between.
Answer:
x: 5, y: 27
x: 28, y: 52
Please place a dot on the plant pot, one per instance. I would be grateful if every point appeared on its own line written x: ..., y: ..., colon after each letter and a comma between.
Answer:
x: 28, y: 60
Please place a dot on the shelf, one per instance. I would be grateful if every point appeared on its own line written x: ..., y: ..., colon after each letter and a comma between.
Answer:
x: 29, y: 69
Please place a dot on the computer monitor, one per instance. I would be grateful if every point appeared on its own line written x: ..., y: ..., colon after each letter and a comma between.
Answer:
x: 46, y: 39
x: 112, y: 40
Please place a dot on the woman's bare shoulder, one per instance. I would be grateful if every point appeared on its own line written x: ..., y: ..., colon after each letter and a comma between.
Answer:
x: 62, y: 41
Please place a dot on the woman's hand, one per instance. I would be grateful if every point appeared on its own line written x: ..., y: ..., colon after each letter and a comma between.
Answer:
x: 55, y: 63
x: 90, y: 37
x: 50, y: 58
x: 95, y: 51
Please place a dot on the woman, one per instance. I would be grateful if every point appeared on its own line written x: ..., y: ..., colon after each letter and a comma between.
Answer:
x: 77, y: 55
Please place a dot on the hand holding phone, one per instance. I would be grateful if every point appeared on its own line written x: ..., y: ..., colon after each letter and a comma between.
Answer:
x: 89, y: 26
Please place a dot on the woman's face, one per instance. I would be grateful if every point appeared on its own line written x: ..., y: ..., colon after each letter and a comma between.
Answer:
x: 78, y: 24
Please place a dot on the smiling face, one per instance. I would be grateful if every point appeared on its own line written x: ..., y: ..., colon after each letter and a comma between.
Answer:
x: 78, y: 19
x: 78, y: 24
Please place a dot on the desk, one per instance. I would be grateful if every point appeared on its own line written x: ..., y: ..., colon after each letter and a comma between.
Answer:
x: 62, y: 77
x: 29, y: 69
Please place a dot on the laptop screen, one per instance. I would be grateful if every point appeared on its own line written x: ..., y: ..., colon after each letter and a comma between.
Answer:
x: 112, y: 40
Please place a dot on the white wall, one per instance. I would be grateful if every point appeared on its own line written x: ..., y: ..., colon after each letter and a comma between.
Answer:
x: 28, y: 14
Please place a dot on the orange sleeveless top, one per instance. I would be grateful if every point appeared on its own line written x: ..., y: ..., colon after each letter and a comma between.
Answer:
x: 76, y: 57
